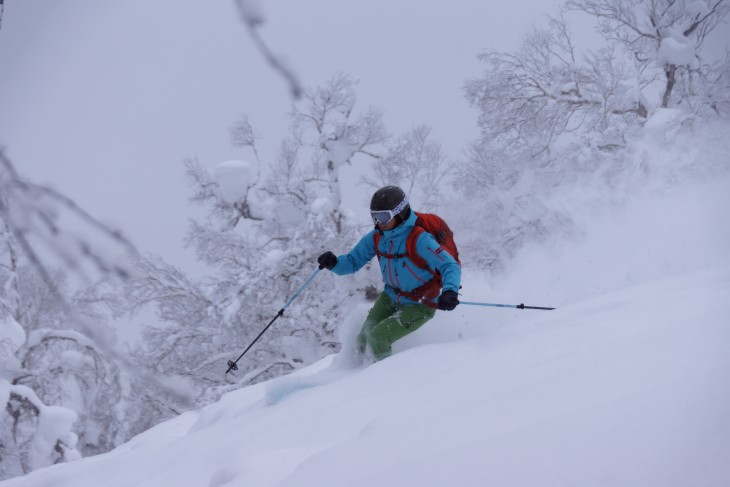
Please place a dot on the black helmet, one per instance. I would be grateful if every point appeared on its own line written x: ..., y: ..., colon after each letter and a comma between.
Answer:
x: 389, y: 202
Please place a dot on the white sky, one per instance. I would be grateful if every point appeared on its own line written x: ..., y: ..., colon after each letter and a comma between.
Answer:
x: 103, y: 100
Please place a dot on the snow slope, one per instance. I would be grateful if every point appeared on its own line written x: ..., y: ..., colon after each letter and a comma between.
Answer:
x: 628, y: 388
x: 626, y: 384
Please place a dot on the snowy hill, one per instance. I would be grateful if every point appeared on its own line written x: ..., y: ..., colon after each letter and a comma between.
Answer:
x: 626, y: 384
x: 629, y: 388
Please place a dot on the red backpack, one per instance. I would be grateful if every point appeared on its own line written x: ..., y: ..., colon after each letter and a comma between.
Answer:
x: 437, y: 227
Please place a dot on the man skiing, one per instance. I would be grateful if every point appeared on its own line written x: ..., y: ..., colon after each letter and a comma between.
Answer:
x: 415, y: 285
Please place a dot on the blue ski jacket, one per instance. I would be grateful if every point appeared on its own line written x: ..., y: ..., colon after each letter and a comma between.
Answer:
x: 401, y: 273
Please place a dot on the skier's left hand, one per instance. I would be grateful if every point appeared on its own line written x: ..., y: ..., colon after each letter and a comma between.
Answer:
x: 448, y: 300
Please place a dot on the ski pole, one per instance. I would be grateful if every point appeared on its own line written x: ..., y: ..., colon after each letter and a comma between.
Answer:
x: 232, y: 365
x: 518, y: 306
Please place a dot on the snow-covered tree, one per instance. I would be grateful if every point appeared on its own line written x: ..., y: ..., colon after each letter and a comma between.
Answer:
x: 665, y: 38
x: 547, y: 89
x: 555, y: 115
x: 65, y: 388
x: 416, y: 163
x: 551, y: 87
x: 53, y: 370
x: 33, y: 434
x: 265, y: 227
x: 328, y: 128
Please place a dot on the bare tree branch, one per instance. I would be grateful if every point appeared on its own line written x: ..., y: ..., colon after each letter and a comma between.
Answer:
x: 252, y: 20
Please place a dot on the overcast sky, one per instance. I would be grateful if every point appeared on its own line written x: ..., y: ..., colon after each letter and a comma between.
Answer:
x: 97, y: 92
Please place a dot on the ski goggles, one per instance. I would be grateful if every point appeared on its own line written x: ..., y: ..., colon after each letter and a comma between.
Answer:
x: 383, y: 217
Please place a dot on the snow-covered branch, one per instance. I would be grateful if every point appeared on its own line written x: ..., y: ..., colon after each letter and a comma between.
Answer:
x: 32, y: 214
x: 662, y: 35
x: 530, y: 98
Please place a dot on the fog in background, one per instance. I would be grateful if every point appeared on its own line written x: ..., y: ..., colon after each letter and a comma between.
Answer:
x: 93, y: 93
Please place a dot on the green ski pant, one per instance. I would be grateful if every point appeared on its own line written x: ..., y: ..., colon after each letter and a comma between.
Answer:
x: 387, y: 322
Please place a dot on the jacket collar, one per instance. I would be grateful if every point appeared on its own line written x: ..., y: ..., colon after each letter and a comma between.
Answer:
x: 404, y: 228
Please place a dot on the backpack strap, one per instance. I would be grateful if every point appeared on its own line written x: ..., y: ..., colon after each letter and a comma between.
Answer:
x: 428, y: 291
x: 411, y: 247
x: 424, y: 294
x: 380, y: 254
x: 411, y: 251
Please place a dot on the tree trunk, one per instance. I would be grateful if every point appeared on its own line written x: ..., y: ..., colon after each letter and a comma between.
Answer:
x: 670, y: 71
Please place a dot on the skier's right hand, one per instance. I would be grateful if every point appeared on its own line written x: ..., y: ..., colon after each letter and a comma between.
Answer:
x: 448, y: 300
x: 327, y: 260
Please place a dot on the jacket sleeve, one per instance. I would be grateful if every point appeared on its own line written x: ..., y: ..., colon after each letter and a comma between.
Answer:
x: 438, y: 258
x: 360, y: 255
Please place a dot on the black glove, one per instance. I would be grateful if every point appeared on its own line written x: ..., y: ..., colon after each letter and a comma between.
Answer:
x: 328, y: 260
x: 448, y: 300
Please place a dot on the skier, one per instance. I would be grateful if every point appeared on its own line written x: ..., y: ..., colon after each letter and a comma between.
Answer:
x: 412, y: 292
